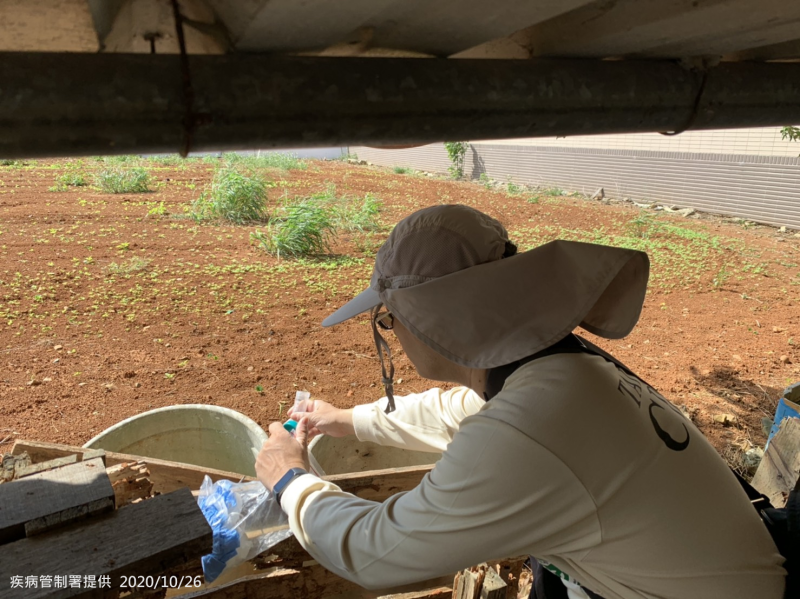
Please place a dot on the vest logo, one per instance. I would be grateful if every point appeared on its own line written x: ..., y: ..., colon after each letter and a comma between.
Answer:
x: 639, y: 391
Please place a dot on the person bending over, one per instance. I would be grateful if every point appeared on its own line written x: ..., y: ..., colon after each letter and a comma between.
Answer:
x: 549, y: 447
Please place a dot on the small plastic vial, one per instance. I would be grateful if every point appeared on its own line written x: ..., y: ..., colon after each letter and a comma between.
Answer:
x: 303, y: 403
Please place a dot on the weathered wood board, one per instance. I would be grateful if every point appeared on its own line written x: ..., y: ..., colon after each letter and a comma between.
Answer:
x: 778, y: 472
x: 47, y: 499
x: 144, y: 539
x: 167, y: 476
x: 50, y: 465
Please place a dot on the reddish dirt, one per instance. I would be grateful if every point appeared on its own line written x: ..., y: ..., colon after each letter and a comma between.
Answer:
x: 212, y: 319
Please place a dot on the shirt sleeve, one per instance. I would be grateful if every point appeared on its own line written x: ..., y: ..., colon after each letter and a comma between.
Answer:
x: 422, y: 421
x: 494, y: 494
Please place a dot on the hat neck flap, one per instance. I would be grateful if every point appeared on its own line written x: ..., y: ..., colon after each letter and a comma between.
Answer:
x: 496, y: 313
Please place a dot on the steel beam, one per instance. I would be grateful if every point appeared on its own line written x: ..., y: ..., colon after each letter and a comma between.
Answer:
x: 83, y: 104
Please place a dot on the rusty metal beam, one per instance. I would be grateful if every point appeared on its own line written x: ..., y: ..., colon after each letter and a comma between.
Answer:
x: 83, y: 104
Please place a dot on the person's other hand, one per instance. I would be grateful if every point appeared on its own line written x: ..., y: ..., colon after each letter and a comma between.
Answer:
x: 281, y: 452
x: 324, y: 419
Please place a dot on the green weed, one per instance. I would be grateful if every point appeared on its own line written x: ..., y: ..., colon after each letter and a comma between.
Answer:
x: 158, y: 210
x: 485, y: 181
x: 554, y: 192
x: 300, y: 228
x: 69, y: 179
x: 284, y: 162
x: 234, y: 196
x: 643, y: 225
x: 356, y: 214
x: 124, y: 180
x: 401, y: 170
x: 512, y: 188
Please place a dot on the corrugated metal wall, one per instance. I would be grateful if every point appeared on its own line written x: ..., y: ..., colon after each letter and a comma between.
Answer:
x: 763, y: 189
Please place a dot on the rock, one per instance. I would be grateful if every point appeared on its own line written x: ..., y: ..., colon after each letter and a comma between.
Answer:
x: 778, y: 329
x: 58, y: 347
x: 128, y: 374
x: 797, y: 234
x: 249, y: 369
x: 786, y: 359
x: 350, y: 393
x: 137, y: 384
x: 599, y: 194
x: 782, y: 229
x: 108, y: 387
x: 33, y: 383
x: 686, y: 212
x: 46, y: 379
x: 725, y: 419
x: 56, y: 361
x: 752, y: 458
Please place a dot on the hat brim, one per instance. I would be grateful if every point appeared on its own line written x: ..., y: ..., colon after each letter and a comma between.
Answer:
x: 366, y: 300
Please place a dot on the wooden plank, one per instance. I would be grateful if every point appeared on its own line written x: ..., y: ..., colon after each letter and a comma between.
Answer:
x: 142, y: 540
x: 12, y: 464
x: 778, y: 472
x: 130, y: 481
x: 484, y: 582
x: 49, y: 465
x: 437, y: 593
x: 167, y: 476
x: 52, y: 498
x: 493, y: 586
x: 310, y: 582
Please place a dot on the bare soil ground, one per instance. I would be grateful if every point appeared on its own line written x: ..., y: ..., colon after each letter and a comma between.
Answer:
x: 106, y: 312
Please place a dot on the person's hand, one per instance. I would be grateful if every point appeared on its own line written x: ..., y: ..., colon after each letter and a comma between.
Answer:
x: 324, y: 419
x: 281, y: 452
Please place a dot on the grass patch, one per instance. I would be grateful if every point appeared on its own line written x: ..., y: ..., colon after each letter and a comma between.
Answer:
x: 69, y: 179
x: 401, y: 170
x: 234, y: 196
x: 513, y: 189
x: 357, y: 214
x: 124, y: 180
x: 125, y: 159
x: 277, y: 160
x: 300, y: 228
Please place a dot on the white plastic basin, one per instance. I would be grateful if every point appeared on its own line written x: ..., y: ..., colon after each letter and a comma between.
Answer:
x: 208, y: 436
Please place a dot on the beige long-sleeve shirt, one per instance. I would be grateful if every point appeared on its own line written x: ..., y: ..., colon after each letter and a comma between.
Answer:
x: 573, y: 462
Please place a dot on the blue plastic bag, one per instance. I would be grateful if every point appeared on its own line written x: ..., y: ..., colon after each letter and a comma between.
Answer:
x: 245, y: 519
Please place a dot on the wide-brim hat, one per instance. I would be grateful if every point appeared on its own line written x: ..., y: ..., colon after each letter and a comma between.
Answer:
x: 443, y: 276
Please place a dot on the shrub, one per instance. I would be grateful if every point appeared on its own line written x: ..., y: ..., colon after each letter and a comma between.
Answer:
x: 401, y: 170
x: 234, y: 196
x: 457, y: 152
x: 301, y: 228
x: 124, y: 180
